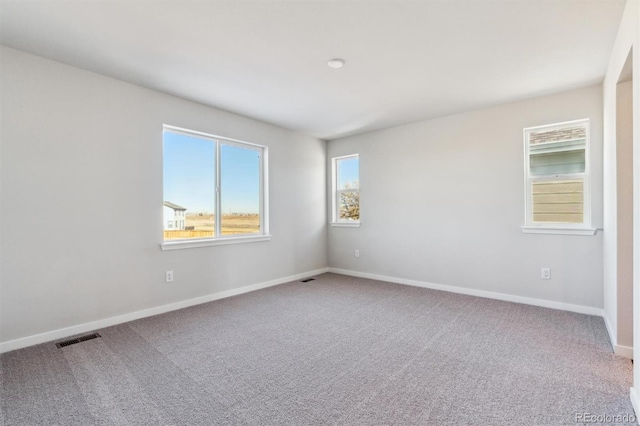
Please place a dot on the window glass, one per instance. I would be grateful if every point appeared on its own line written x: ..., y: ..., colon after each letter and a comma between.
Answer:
x: 349, y: 205
x: 558, y: 151
x: 348, y: 173
x: 189, y: 186
x: 346, y: 189
x: 558, y: 201
x: 557, y: 173
x: 240, y: 190
x: 196, y: 204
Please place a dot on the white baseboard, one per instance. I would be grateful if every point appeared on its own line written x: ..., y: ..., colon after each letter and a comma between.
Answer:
x: 635, y: 401
x: 478, y: 293
x: 108, y: 322
x: 623, y: 351
x: 612, y: 335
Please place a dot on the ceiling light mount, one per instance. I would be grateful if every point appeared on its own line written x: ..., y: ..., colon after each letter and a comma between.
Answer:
x: 336, y: 63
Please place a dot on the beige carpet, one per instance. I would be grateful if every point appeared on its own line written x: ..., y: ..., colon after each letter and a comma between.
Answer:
x: 335, y: 351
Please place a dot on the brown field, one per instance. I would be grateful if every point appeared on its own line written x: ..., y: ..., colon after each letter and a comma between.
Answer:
x: 204, y: 226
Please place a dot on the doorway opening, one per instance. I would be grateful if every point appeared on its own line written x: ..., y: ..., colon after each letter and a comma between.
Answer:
x: 624, y: 196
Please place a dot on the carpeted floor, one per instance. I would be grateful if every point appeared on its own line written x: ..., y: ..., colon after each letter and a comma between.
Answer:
x: 335, y: 351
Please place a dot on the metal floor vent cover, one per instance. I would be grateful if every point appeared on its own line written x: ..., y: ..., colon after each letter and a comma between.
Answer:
x: 77, y: 340
x: 307, y: 280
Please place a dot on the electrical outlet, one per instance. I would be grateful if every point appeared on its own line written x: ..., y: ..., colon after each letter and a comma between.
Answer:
x: 546, y: 274
x: 169, y: 276
x: 356, y: 253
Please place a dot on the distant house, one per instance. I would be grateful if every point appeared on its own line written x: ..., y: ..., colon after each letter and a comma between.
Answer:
x: 174, y: 216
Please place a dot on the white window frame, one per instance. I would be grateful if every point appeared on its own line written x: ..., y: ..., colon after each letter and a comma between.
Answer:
x: 531, y: 227
x: 263, y: 235
x: 335, y: 193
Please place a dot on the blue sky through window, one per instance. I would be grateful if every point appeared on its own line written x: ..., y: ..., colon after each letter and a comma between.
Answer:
x: 240, y: 179
x: 348, y: 171
x: 190, y: 178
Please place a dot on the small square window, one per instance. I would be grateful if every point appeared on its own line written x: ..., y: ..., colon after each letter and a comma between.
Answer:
x: 557, y: 176
x: 214, y: 187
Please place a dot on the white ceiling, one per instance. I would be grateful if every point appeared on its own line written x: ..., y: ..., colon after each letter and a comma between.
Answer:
x: 405, y: 60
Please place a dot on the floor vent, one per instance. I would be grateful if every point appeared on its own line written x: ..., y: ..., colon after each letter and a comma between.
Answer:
x: 307, y: 280
x: 77, y: 340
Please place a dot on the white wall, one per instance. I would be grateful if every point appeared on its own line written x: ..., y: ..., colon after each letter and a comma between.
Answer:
x: 616, y: 308
x: 82, y: 206
x: 618, y: 168
x: 627, y: 40
x: 624, y: 183
x: 442, y: 201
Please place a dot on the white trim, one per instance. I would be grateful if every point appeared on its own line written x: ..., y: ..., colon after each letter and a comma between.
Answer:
x: 635, y: 402
x: 627, y: 39
x: 342, y: 157
x: 217, y: 196
x: 588, y: 310
x: 263, y: 196
x: 613, y: 338
x: 557, y: 230
x: 185, y: 244
x: 264, y: 191
x: 623, y: 351
x: 345, y: 224
x: 544, y: 146
x: 558, y: 126
x: 108, y: 322
x: 586, y: 178
x: 189, y: 132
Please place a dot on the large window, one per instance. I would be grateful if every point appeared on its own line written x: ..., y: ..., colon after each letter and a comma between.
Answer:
x: 214, y: 188
x: 346, y: 190
x: 557, y: 178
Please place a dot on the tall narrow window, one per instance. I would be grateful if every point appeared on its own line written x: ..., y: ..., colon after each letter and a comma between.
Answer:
x: 346, y: 190
x: 557, y: 177
x: 214, y: 188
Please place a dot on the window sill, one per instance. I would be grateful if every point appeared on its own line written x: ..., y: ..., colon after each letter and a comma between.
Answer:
x: 186, y: 244
x: 345, y: 224
x: 557, y: 230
